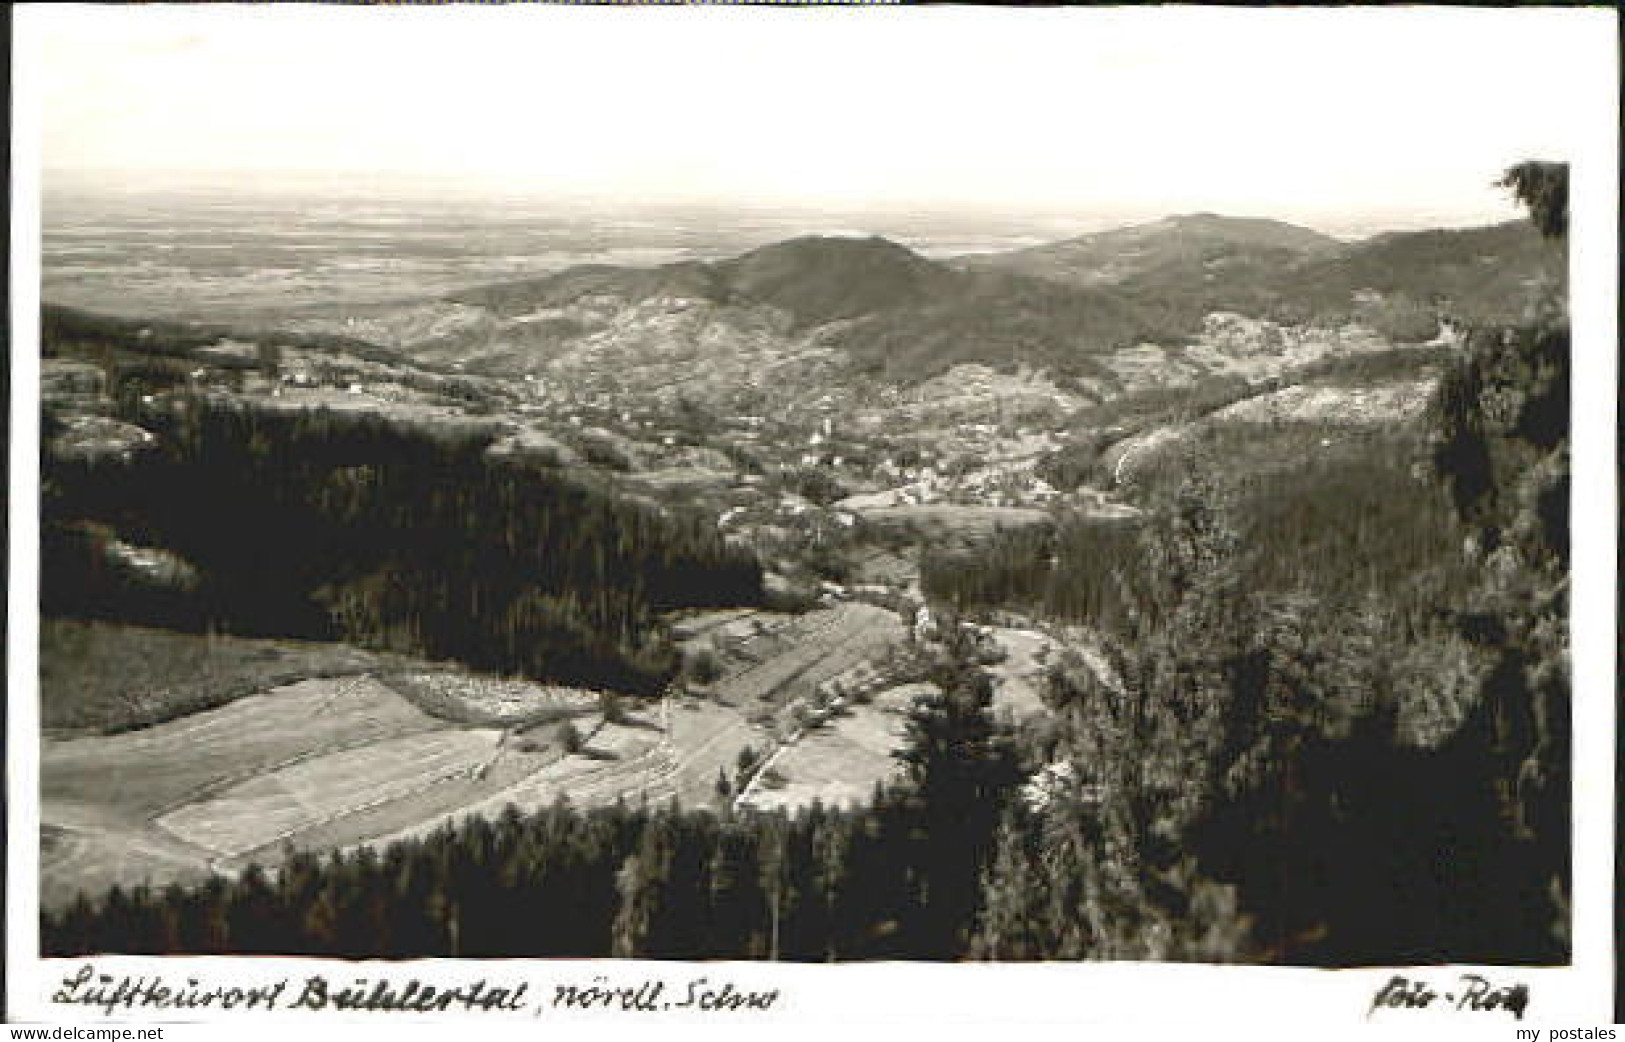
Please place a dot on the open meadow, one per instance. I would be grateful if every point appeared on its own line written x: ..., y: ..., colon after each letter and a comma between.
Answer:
x: 363, y: 759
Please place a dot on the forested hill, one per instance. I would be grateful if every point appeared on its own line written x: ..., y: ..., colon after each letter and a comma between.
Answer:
x: 824, y: 279
x: 1485, y: 275
x: 1121, y: 254
x: 816, y: 279
x: 895, y: 312
x: 324, y: 525
x: 1061, y: 307
x: 69, y: 331
x: 1177, y: 270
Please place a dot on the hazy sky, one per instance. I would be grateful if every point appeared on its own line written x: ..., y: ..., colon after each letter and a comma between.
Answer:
x: 1317, y: 115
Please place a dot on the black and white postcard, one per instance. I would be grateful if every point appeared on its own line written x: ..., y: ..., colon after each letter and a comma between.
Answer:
x: 529, y: 516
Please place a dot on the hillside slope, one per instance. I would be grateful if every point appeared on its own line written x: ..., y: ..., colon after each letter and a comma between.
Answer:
x: 816, y: 279
x: 1175, y: 271
x: 890, y: 309
x: 868, y: 308
x: 1487, y: 275
x: 1204, y: 241
x: 821, y: 279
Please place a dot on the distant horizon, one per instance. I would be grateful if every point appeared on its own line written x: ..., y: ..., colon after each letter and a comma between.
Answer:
x: 446, y: 192
x: 973, y: 112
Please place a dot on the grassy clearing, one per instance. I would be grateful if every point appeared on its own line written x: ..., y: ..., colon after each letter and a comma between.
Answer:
x: 487, y: 701
x: 617, y: 763
x: 1388, y: 404
x: 147, y: 772
x: 335, y: 763
x: 104, y: 678
x: 1018, y: 679
x: 99, y: 793
x: 790, y: 662
x: 446, y: 799
x: 1396, y: 363
x: 837, y: 763
x: 90, y: 860
x: 262, y: 810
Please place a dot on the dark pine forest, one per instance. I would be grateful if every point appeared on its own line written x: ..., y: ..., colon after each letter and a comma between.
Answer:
x: 322, y: 525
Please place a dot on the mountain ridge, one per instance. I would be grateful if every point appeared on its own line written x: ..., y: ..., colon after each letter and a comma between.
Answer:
x: 1119, y: 254
x: 898, y: 314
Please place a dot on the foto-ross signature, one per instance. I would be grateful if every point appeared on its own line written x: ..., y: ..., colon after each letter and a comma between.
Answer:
x: 1474, y: 993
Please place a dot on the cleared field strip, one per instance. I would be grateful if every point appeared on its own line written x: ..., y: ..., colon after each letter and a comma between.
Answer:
x: 954, y: 519
x: 1018, y: 680
x: 490, y: 701
x: 680, y: 756
x: 438, y: 802
x: 615, y: 763
x: 329, y: 763
x: 837, y: 763
x: 149, y: 772
x: 708, y: 739
x: 702, y: 623
x: 78, y: 859
x: 812, y: 649
x: 817, y: 647
x: 99, y: 794
x: 1394, y: 402
x: 282, y: 802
